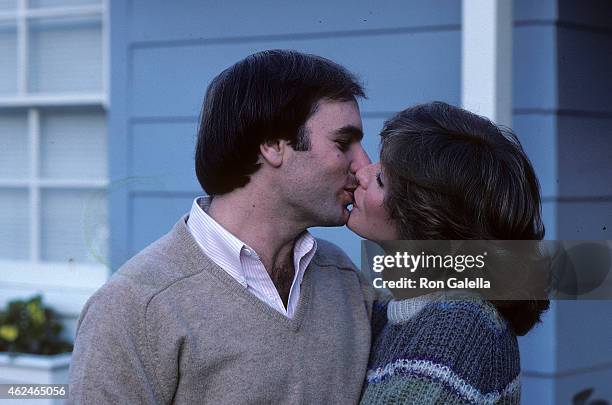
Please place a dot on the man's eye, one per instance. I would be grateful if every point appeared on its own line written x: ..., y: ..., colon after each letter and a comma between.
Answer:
x: 343, y: 145
x: 379, y: 180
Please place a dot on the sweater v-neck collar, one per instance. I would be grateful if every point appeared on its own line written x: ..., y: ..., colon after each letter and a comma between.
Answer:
x: 234, y: 287
x: 195, y: 261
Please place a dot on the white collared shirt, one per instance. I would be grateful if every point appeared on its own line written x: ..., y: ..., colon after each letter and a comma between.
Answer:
x: 242, y: 262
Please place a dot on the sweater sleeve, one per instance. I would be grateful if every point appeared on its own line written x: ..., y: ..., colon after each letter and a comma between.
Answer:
x: 110, y: 360
x: 451, y: 353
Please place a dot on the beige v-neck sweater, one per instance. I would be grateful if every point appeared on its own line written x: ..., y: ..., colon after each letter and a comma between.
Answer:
x: 172, y: 327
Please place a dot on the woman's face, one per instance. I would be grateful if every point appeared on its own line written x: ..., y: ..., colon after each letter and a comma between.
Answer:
x: 369, y: 217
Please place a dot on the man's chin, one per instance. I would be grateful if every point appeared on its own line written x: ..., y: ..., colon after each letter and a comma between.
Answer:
x: 340, y: 219
x: 331, y: 217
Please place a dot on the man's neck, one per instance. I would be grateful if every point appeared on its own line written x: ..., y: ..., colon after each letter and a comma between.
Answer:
x: 259, y: 223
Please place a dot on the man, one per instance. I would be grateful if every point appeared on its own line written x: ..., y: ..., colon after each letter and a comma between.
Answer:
x: 238, y: 303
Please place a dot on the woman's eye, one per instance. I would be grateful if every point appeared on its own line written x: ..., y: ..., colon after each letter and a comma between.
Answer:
x: 379, y: 180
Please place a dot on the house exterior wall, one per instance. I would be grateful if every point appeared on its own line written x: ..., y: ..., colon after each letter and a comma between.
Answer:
x: 584, y: 191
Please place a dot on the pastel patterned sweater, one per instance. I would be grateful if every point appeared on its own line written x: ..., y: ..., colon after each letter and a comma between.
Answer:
x: 438, y: 349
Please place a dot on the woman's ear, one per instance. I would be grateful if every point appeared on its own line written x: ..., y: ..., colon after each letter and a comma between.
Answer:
x: 273, y: 151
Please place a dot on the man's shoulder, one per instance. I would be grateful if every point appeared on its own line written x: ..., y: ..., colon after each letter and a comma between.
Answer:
x: 156, y: 266
x: 152, y: 270
x: 330, y: 255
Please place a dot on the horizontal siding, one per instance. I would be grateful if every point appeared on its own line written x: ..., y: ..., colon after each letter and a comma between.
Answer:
x: 386, y: 63
x: 537, y: 348
x: 534, y: 88
x: 159, y: 20
x: 597, y: 378
x: 560, y: 389
x: 585, y: 117
x: 585, y: 70
x: 584, y: 148
x: 530, y: 10
x: 537, y: 390
x: 538, y: 135
x: 584, y: 201
x: 534, y: 84
x: 154, y: 214
x: 371, y: 137
x: 162, y: 157
x: 585, y: 219
x: 534, y: 97
x: 549, y: 217
x: 581, y: 319
x: 594, y: 14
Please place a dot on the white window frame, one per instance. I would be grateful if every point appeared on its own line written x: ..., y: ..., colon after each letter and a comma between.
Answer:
x: 69, y: 284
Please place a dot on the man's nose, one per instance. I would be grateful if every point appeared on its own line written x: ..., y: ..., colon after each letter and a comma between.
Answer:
x: 360, y: 159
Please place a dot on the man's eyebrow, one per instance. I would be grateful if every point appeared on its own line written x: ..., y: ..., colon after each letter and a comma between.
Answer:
x: 350, y: 131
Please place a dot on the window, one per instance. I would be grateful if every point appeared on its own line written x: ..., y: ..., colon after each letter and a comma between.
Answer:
x: 53, y: 145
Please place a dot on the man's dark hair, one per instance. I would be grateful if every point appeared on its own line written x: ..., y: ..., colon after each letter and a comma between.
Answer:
x: 453, y: 175
x: 267, y: 96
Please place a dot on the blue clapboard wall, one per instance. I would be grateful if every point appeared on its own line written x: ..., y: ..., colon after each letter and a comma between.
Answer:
x: 164, y: 54
x: 563, y: 115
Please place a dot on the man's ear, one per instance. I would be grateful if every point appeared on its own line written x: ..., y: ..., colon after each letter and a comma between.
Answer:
x: 273, y: 151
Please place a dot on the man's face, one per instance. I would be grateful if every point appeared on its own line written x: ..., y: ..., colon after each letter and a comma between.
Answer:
x: 321, y: 180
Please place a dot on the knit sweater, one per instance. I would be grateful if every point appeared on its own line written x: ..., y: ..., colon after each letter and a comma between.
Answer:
x: 173, y: 327
x: 442, y: 350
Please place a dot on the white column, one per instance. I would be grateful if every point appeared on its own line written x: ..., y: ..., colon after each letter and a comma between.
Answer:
x: 486, y: 62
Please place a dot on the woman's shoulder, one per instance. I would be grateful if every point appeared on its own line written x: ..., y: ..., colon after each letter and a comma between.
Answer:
x: 440, y: 310
x: 455, y: 325
x: 461, y: 343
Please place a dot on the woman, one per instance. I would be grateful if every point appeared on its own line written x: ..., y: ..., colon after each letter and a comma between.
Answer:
x: 446, y: 173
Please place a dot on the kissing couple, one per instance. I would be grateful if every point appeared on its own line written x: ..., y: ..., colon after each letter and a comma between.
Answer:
x: 239, y: 303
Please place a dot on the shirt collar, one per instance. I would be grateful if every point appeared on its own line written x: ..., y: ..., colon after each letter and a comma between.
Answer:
x: 217, y: 242
x: 225, y: 249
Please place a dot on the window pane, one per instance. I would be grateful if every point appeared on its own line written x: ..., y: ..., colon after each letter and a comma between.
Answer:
x: 14, y: 160
x: 14, y: 224
x: 8, y: 5
x: 74, y: 225
x: 61, y: 3
x: 65, y: 55
x: 73, y: 145
x: 8, y: 57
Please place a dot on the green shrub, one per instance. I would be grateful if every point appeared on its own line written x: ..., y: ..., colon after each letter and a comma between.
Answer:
x: 27, y: 326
